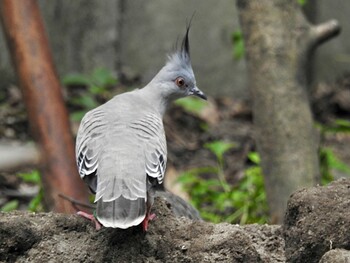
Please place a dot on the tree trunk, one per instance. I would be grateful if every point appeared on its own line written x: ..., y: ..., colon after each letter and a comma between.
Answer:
x: 41, y: 90
x: 278, y: 42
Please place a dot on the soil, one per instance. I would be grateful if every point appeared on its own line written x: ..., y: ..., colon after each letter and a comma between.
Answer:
x: 317, y: 221
x: 41, y: 237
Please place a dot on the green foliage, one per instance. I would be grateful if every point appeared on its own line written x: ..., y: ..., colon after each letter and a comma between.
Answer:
x: 217, y: 200
x: 339, y: 126
x: 10, y: 206
x: 254, y: 157
x: 219, y: 148
x: 33, y: 177
x: 97, y: 84
x: 302, y: 2
x: 250, y: 197
x: 329, y: 163
x: 36, y: 204
x: 97, y: 81
x: 238, y: 45
x: 192, y: 105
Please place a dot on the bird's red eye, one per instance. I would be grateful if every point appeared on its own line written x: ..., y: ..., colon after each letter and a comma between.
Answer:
x: 180, y: 82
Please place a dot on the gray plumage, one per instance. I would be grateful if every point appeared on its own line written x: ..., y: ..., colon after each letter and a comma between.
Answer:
x: 121, y: 147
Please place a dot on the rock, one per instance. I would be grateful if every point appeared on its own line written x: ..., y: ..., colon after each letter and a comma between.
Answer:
x: 49, y: 237
x: 336, y: 256
x: 317, y: 220
x: 268, y: 241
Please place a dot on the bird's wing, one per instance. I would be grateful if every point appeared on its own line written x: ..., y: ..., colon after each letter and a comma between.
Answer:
x: 88, y: 146
x: 150, y: 130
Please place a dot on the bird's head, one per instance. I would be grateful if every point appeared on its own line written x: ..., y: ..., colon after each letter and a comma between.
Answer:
x: 176, y: 79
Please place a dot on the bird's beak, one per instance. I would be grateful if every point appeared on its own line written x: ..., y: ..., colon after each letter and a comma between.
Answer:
x: 197, y: 92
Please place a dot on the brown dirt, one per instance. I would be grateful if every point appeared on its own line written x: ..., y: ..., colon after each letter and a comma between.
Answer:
x: 48, y: 237
x: 317, y: 221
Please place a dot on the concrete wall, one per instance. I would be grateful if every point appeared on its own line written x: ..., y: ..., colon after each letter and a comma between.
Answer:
x: 135, y: 36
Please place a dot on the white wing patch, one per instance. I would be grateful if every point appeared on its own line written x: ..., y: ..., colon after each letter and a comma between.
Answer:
x: 150, y: 129
x: 88, y: 146
x: 155, y: 167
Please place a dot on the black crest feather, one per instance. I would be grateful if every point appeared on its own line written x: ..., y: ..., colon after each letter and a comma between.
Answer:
x: 185, y: 46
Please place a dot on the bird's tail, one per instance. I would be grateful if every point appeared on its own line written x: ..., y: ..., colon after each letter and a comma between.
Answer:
x: 121, y: 212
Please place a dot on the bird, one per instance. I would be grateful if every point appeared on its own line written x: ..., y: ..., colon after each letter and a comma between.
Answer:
x: 121, y: 150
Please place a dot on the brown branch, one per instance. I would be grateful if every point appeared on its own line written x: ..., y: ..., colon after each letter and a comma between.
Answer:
x: 325, y: 31
x: 32, y: 59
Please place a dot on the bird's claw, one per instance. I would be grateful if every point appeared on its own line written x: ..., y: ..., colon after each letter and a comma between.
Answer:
x: 149, y: 217
x: 91, y: 217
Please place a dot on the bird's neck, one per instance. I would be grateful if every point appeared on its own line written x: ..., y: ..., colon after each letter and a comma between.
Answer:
x: 157, y: 100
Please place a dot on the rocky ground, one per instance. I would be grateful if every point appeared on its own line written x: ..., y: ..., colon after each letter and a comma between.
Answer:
x: 316, y: 229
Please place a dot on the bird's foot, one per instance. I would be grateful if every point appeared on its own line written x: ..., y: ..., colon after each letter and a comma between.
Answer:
x: 91, y: 217
x: 149, y: 217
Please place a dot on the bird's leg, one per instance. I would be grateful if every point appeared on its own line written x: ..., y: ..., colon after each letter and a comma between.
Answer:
x: 90, y: 217
x: 149, y: 217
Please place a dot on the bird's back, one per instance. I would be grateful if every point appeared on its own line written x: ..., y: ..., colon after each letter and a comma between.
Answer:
x: 125, y: 138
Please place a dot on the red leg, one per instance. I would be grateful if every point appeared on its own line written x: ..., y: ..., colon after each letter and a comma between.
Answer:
x: 149, y: 217
x: 90, y: 217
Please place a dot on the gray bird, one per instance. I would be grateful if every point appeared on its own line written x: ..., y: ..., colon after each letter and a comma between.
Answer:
x: 121, y: 148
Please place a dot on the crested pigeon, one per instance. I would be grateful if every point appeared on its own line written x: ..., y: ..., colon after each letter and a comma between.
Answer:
x: 121, y: 147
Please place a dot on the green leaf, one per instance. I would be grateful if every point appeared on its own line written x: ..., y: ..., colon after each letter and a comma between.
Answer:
x: 103, y: 77
x: 219, y: 147
x: 339, y: 125
x: 334, y: 162
x: 10, y: 206
x: 238, y: 45
x: 76, y: 79
x: 92, y: 198
x: 32, y: 177
x: 187, y: 178
x: 192, y: 105
x: 77, y: 116
x: 97, y: 90
x: 343, y: 123
x: 302, y: 2
x: 342, y: 126
x: 35, y: 204
x: 254, y: 157
x: 86, y: 101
